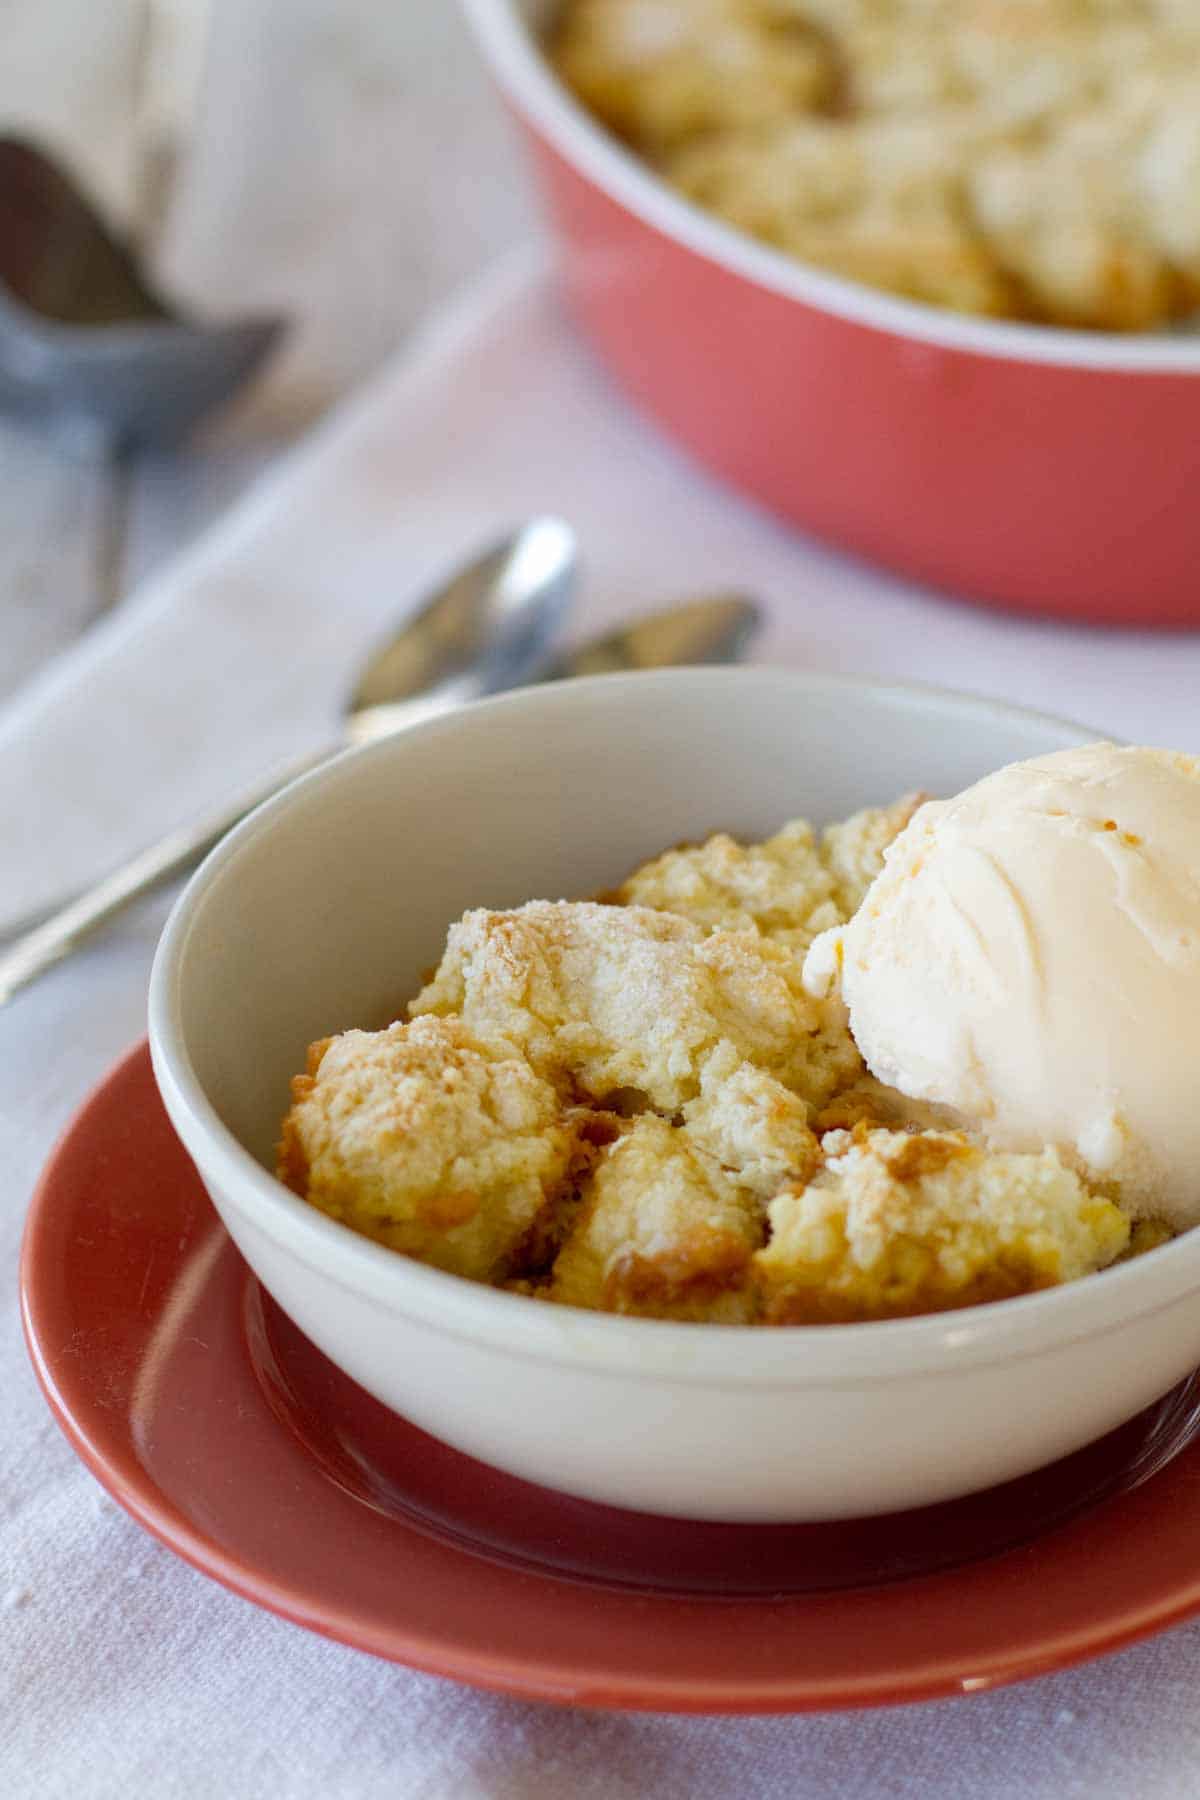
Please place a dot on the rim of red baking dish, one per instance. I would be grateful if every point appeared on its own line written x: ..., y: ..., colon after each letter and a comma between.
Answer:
x: 511, y: 48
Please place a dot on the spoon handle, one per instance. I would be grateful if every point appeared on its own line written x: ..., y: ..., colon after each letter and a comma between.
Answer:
x: 31, y: 954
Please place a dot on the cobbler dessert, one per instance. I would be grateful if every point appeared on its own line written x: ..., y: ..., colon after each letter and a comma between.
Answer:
x: 894, y: 1067
x: 1029, y: 159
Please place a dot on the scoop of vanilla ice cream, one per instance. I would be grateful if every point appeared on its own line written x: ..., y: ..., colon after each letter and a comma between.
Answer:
x: 1029, y: 958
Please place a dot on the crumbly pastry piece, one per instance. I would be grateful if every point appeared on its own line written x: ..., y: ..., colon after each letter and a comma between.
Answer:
x: 1165, y: 177
x: 1027, y: 158
x: 661, y: 71
x: 879, y: 202
x: 607, y: 999
x: 870, y: 1102
x: 781, y: 888
x: 789, y: 888
x: 749, y: 1123
x: 899, y: 1223
x: 596, y: 997
x: 1075, y: 238
x: 663, y: 1232
x: 431, y: 1141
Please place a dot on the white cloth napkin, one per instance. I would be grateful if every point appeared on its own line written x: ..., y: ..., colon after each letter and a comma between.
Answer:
x: 121, y: 1670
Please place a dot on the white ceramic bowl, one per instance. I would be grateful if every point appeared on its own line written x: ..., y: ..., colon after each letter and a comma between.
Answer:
x: 321, y: 911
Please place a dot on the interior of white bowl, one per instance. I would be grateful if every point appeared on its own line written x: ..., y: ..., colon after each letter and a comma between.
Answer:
x: 510, y: 31
x: 325, y: 910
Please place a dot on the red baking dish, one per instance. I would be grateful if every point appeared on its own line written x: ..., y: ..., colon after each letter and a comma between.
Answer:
x: 1030, y: 467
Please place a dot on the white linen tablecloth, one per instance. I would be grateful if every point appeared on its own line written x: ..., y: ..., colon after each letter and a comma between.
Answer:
x: 123, y: 1672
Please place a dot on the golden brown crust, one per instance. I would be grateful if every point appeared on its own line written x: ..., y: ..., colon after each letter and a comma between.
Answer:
x: 442, y: 1212
x: 433, y: 1141
x: 662, y: 1231
x: 702, y: 1263
x: 853, y: 1107
x: 780, y: 888
x: 816, y: 1305
x: 900, y: 1223
x: 912, y: 1156
x: 291, y: 1158
x: 613, y: 1107
x: 601, y: 999
x: 1019, y: 161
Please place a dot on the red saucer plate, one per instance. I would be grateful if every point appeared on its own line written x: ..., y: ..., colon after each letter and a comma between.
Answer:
x: 225, y: 1433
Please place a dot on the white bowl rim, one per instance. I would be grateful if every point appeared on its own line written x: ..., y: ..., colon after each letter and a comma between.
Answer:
x: 727, y: 1356
x: 529, y: 82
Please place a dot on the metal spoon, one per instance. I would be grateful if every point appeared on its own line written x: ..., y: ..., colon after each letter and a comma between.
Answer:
x: 712, y: 630
x: 484, y: 629
x: 716, y: 629
x: 84, y: 339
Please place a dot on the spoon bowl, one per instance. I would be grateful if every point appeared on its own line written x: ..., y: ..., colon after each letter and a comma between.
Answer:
x: 715, y: 628
x: 481, y: 630
x: 485, y: 629
x: 85, y: 341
